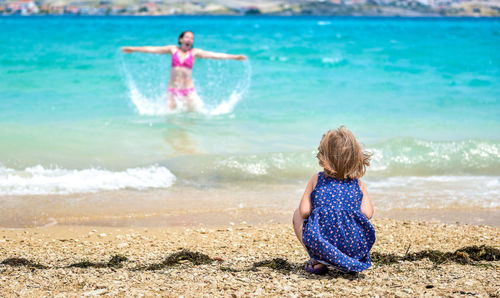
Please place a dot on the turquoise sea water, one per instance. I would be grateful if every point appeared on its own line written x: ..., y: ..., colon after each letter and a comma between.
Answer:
x: 423, y: 95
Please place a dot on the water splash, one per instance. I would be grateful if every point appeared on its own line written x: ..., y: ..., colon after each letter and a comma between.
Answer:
x: 145, y: 105
x: 147, y: 89
x: 226, y: 107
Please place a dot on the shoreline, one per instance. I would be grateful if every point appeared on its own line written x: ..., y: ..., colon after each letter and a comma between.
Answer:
x: 211, y: 218
x: 186, y: 207
x: 243, y: 260
x: 203, y: 213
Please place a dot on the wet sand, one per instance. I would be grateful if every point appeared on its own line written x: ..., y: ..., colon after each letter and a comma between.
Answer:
x: 187, y: 206
x: 233, y: 250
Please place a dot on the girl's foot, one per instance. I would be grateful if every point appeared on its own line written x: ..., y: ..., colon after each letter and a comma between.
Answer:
x: 315, y: 267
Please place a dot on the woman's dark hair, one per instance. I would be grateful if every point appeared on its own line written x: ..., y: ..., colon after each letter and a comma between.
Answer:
x: 182, y: 35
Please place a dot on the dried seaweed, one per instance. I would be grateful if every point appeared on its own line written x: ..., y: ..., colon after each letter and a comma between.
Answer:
x: 229, y: 269
x: 196, y: 258
x: 87, y: 264
x: 481, y: 253
x: 277, y: 264
x: 116, y: 261
x: 466, y: 255
x: 471, y: 255
x: 385, y: 259
x: 16, y: 262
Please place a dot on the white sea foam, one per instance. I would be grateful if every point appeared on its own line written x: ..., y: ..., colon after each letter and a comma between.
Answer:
x: 333, y: 60
x: 406, y: 156
x: 436, y: 191
x: 38, y: 180
x: 324, y: 23
x: 278, y: 58
x: 328, y: 60
x: 253, y: 168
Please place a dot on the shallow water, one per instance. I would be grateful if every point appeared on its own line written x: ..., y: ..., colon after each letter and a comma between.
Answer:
x: 78, y: 119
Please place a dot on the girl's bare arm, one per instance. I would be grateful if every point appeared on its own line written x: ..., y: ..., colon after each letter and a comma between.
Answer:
x: 305, y: 206
x: 366, y: 203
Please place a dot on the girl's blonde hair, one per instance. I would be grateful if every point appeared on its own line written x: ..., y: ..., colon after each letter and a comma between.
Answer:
x: 341, y: 156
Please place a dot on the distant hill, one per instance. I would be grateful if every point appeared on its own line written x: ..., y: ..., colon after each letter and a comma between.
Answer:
x: 412, y: 8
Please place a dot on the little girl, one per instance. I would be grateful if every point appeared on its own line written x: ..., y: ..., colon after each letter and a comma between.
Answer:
x: 332, y: 221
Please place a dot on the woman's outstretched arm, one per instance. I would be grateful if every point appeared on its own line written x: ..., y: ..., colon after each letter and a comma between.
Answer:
x: 211, y: 55
x: 149, y: 50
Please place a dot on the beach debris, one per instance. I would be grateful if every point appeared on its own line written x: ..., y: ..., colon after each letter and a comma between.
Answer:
x: 407, y: 250
x: 97, y: 292
x: 16, y: 262
x: 465, y: 293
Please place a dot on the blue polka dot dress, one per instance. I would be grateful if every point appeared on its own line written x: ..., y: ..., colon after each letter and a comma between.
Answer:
x: 336, y: 232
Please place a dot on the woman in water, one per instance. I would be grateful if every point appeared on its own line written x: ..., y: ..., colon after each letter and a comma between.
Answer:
x: 180, y: 86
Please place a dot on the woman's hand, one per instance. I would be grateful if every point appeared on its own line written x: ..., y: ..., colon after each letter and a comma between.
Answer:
x: 127, y: 50
x: 241, y: 57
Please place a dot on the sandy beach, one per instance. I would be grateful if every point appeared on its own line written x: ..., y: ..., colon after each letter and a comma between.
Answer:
x: 243, y: 260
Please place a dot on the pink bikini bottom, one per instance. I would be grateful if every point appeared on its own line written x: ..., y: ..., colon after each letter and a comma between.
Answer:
x: 180, y: 92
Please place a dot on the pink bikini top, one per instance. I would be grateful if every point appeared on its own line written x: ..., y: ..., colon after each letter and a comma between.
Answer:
x: 187, y: 63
